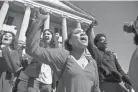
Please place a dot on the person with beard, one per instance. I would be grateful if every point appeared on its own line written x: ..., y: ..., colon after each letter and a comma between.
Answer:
x: 110, y: 71
x: 75, y: 72
x: 10, y: 63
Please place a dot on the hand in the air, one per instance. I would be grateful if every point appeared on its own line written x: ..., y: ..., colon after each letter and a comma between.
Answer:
x: 131, y: 27
x: 39, y: 13
x: 93, y: 24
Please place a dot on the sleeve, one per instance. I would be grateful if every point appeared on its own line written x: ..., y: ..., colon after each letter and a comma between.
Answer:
x: 54, y: 56
x: 95, y: 53
x: 125, y: 78
x: 96, y: 81
x: 12, y: 59
x: 133, y: 69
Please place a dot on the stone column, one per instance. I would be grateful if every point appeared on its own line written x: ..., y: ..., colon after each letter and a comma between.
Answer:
x: 78, y: 23
x: 47, y: 22
x: 25, y: 24
x: 64, y: 29
x: 3, y: 12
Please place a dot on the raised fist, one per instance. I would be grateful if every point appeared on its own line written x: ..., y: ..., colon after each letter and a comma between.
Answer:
x: 131, y: 27
x: 93, y: 24
x: 39, y: 13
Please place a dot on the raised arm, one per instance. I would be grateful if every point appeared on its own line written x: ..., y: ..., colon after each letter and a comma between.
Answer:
x: 33, y: 40
x: 91, y: 35
x: 125, y: 78
x: 53, y: 57
x: 91, y: 46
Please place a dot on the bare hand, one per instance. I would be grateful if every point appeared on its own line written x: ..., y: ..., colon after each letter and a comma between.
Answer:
x: 93, y: 24
x: 39, y: 13
x: 128, y: 27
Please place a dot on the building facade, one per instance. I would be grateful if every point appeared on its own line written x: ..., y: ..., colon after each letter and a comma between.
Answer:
x: 63, y: 16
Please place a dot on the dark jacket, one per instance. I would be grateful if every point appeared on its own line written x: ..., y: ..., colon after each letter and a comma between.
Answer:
x: 108, y: 66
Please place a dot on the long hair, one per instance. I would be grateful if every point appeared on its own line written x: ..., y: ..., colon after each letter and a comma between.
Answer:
x: 53, y: 42
x: 13, y: 44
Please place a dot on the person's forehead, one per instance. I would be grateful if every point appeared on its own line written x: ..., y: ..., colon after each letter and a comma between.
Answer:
x: 77, y: 29
x: 102, y: 38
x: 47, y: 32
x: 8, y: 33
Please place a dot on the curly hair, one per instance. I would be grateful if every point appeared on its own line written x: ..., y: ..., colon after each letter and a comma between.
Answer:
x: 67, y: 45
x: 13, y: 44
x: 97, y: 37
x: 53, y: 42
x: 135, y: 39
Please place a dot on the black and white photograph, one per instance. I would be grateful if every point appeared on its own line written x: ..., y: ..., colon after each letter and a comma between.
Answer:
x: 68, y: 46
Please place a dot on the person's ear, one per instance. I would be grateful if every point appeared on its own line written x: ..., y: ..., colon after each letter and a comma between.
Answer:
x: 70, y: 42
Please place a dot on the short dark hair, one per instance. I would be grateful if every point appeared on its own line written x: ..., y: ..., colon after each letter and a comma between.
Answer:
x: 97, y: 37
x: 135, y: 39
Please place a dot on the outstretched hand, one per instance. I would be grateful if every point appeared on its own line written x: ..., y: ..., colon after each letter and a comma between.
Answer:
x: 39, y: 13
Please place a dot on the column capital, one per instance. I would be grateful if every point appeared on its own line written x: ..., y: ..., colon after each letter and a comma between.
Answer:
x: 79, y: 21
x: 6, y: 2
x: 29, y: 5
x: 48, y: 11
x: 64, y: 16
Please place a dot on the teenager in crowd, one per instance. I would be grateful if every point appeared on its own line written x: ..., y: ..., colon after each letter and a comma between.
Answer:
x: 110, y: 71
x: 45, y: 73
x: 39, y: 76
x: 9, y: 61
x: 75, y: 72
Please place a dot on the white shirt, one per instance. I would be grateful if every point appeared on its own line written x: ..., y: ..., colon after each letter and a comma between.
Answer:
x: 45, y: 75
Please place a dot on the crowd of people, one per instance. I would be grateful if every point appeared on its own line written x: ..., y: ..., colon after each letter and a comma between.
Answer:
x: 41, y: 64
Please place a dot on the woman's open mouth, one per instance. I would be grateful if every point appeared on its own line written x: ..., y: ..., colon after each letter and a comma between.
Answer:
x: 46, y: 38
x: 6, y: 39
x: 83, y: 38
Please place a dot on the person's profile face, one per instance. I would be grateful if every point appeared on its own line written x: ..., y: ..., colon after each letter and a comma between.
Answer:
x: 102, y: 42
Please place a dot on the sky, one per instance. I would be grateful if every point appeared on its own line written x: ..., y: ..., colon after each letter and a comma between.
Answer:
x: 111, y: 16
